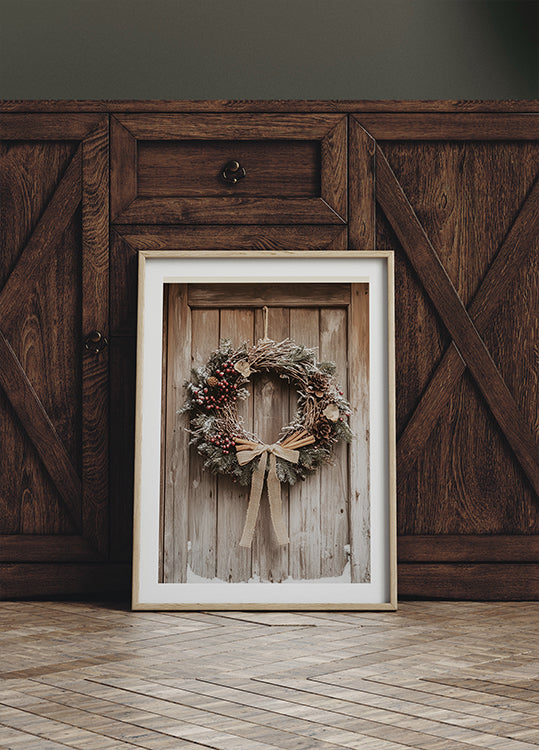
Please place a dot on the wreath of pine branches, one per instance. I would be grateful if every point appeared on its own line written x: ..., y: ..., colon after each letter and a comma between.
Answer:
x: 216, y: 429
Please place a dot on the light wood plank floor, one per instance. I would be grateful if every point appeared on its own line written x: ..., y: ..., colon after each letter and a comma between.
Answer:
x: 435, y: 675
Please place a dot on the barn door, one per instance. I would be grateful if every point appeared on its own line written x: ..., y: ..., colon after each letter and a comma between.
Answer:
x: 457, y: 198
x: 203, y: 515
x: 53, y: 363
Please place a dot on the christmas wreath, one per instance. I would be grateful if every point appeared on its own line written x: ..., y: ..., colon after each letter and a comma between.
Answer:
x: 221, y: 438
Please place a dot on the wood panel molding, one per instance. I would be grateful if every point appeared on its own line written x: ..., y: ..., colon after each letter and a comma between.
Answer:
x: 456, y: 318
x: 475, y: 581
x: 128, y: 207
x: 447, y: 126
x: 473, y: 548
x: 498, y: 279
x: 157, y: 106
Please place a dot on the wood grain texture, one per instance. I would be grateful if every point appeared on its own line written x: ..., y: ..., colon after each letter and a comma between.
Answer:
x: 359, y: 450
x: 176, y: 518
x: 445, y: 127
x: 126, y: 240
x: 40, y: 430
x: 361, y: 188
x: 334, y: 484
x: 233, y: 561
x: 476, y: 581
x: 95, y: 316
x: 237, y: 237
x: 291, y: 160
x: 123, y: 168
x: 270, y: 414
x: 455, y: 317
x: 498, y: 280
x: 229, y: 210
x: 40, y: 185
x: 192, y: 168
x: 241, y: 126
x: 36, y: 253
x: 305, y: 497
x: 34, y: 580
x: 270, y: 105
x: 469, y: 548
x: 25, y: 548
x: 202, y: 484
x: 271, y: 295
x: 123, y: 286
x: 217, y: 505
x: 334, y: 169
x: 96, y: 676
x: 43, y: 127
x: 477, y: 486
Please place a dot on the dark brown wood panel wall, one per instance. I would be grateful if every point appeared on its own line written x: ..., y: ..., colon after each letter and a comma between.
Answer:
x: 54, y: 291
x: 457, y: 199
x: 451, y: 187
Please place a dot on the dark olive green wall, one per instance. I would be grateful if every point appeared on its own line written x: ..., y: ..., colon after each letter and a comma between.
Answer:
x: 307, y: 49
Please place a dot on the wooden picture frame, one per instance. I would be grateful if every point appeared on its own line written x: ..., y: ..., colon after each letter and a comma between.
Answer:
x: 341, y: 521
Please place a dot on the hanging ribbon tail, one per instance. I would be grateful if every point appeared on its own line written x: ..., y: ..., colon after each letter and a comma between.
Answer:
x: 257, y: 482
x: 274, y: 497
x: 274, y: 490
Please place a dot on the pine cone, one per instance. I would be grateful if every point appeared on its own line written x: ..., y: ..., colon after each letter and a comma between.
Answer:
x: 318, y: 384
x: 322, y: 429
x: 212, y: 381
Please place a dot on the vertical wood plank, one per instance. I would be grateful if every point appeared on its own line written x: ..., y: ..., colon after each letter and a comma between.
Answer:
x: 271, y: 414
x: 177, y: 443
x: 122, y: 441
x: 358, y: 380
x: 95, y: 316
x: 202, y: 483
x: 361, y: 189
x: 304, y: 496
x: 233, y: 561
x: 123, y: 173
x: 334, y: 511
x: 334, y: 168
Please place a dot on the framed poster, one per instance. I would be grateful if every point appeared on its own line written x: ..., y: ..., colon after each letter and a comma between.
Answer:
x: 265, y: 437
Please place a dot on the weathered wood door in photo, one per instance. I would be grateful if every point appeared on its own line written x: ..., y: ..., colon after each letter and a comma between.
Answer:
x: 202, y: 515
x: 53, y: 391
x: 457, y: 198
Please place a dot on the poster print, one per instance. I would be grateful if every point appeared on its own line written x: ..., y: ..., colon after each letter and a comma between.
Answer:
x: 265, y: 494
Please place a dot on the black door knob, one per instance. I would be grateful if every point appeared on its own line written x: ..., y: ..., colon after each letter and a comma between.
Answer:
x: 232, y: 172
x: 95, y: 342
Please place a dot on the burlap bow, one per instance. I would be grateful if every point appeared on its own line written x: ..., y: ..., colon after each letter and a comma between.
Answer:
x: 274, y: 489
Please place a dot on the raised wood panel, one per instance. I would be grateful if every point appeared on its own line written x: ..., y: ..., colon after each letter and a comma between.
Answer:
x: 296, y: 168
x: 53, y: 290
x: 485, y: 235
x: 193, y: 168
